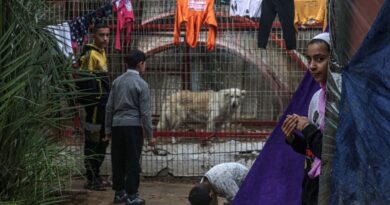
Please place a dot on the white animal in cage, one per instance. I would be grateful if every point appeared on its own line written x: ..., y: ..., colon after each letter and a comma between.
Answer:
x: 208, y: 107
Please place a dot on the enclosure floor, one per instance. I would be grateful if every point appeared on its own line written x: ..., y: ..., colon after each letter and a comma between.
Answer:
x: 154, y: 193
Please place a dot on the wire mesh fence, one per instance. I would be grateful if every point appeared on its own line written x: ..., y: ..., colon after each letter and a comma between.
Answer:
x: 218, y: 105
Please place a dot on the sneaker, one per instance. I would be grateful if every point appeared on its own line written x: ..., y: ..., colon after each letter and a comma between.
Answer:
x: 94, y: 186
x: 135, y: 200
x: 120, y: 197
x: 105, y: 183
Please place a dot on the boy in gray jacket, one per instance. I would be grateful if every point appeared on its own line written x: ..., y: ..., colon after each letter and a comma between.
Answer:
x: 128, y: 122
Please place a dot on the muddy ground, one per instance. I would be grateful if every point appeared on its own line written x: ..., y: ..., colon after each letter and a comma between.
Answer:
x: 155, y: 192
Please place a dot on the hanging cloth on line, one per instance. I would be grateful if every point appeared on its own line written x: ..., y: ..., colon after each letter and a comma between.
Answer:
x: 79, y: 26
x: 309, y: 12
x: 62, y: 34
x: 195, y: 13
x: 285, y: 11
x: 125, y: 18
x: 79, y: 30
x: 249, y: 8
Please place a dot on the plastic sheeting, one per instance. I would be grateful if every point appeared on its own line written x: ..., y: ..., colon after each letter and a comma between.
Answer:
x: 350, y: 21
x: 276, y: 176
x: 361, y: 164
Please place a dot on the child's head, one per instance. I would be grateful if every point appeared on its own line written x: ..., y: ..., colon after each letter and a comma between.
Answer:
x: 200, y: 194
x: 318, y: 55
x: 101, y: 33
x: 136, y: 60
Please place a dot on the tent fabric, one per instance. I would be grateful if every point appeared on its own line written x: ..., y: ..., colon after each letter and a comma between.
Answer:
x: 276, y: 176
x: 361, y: 166
x: 349, y: 23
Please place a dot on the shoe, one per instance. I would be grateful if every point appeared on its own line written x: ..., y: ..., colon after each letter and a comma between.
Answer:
x: 120, y: 197
x: 94, y: 186
x: 105, y: 183
x: 135, y: 200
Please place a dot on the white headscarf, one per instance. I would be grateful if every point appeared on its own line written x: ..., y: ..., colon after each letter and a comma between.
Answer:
x: 323, y: 36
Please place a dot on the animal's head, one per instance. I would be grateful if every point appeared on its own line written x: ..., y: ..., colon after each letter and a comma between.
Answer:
x: 235, y: 96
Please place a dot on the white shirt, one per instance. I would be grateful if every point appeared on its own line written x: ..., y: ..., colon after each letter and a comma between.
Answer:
x: 226, y: 178
x: 314, y: 115
x: 251, y: 8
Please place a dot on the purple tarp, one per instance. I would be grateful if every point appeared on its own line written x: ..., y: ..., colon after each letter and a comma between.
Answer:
x: 276, y: 176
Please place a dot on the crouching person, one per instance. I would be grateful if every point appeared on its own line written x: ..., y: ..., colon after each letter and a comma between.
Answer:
x: 222, y: 180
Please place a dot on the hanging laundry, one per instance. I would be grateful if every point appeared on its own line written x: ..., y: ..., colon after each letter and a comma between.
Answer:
x: 125, y: 18
x: 309, y: 12
x: 79, y: 30
x: 101, y: 13
x: 62, y: 34
x: 285, y: 11
x: 195, y: 13
x: 79, y: 26
x: 251, y: 8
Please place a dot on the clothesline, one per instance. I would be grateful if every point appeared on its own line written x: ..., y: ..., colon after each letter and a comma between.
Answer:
x: 78, y: 27
x: 74, y: 33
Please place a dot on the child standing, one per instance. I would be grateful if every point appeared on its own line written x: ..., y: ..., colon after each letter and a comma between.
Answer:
x: 129, y: 121
x: 310, y: 145
x: 95, y: 86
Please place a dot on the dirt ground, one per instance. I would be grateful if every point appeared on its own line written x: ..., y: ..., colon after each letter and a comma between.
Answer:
x: 154, y: 193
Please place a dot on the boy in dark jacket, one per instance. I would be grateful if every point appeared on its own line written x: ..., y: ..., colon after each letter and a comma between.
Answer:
x: 94, y: 86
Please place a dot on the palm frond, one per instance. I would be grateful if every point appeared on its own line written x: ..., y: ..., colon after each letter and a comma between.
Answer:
x: 35, y: 88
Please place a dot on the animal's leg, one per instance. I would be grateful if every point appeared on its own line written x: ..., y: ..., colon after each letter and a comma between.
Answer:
x: 213, y: 118
x: 210, y: 125
x: 178, y: 117
x: 162, y: 120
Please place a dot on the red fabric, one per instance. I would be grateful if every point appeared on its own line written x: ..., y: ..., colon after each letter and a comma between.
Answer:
x: 125, y: 18
x: 309, y: 153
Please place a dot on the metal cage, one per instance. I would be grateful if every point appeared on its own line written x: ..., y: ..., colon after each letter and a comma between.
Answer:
x: 269, y: 77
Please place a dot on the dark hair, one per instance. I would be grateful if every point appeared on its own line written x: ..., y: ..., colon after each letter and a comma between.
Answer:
x: 99, y: 25
x: 317, y: 40
x: 200, y: 195
x: 134, y: 57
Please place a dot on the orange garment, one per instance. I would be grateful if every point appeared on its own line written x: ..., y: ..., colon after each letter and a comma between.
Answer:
x: 195, y: 13
x: 325, y: 24
x: 309, y: 12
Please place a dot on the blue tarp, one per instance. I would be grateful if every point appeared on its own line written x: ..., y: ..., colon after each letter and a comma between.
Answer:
x: 361, y: 167
x: 276, y: 176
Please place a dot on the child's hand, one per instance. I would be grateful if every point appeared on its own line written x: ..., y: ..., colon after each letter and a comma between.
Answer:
x: 289, y: 124
x: 152, y: 142
x: 302, y: 122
